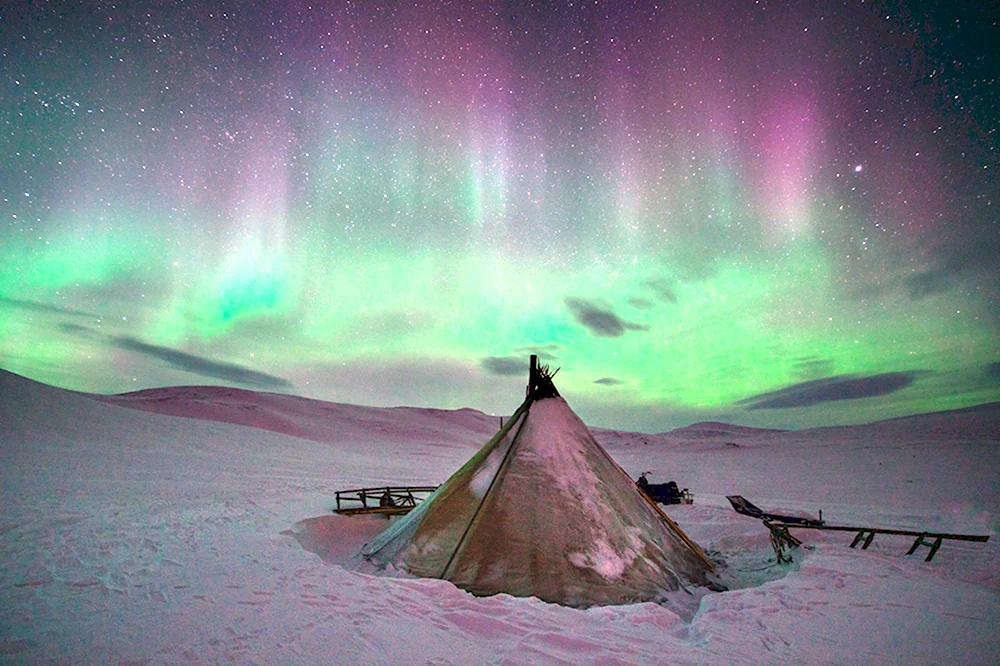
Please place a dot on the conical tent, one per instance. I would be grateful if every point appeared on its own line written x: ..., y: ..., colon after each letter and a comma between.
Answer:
x: 542, y: 510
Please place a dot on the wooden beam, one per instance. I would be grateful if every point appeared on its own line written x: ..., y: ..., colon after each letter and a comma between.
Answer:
x: 867, y: 534
x: 678, y: 531
x: 881, y: 530
x: 383, y: 510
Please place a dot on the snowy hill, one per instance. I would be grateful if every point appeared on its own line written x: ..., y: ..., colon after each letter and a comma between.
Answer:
x: 323, y: 421
x: 981, y: 423
x: 317, y: 420
x: 710, y: 429
x: 130, y: 536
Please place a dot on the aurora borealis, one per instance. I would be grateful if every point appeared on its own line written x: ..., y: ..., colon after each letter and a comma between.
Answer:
x: 779, y: 214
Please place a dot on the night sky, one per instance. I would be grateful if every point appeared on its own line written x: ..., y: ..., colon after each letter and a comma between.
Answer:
x: 769, y: 213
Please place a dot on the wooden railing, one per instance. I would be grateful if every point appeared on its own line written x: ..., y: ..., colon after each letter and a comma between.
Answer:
x: 388, y: 500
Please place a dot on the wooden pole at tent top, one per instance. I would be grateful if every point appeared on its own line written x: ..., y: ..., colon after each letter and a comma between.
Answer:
x: 533, y: 374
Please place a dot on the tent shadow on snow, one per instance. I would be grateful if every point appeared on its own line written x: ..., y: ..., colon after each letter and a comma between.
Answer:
x: 542, y: 510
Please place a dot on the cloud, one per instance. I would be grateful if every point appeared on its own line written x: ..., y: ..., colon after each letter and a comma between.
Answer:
x: 927, y: 283
x: 846, y: 387
x: 808, y: 367
x: 602, y: 323
x: 661, y: 287
x: 202, y: 366
x: 970, y: 251
x: 545, y: 352
x: 416, y: 382
x: 608, y: 381
x: 639, y: 303
x: 42, y: 307
x: 393, y: 323
x: 77, y: 329
x: 507, y: 366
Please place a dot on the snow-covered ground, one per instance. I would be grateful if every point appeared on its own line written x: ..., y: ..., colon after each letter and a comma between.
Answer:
x: 129, y: 536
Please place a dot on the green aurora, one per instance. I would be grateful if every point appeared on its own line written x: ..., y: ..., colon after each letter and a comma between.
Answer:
x: 684, y: 247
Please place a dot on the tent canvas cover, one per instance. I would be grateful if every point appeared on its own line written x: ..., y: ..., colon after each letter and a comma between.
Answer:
x: 542, y: 510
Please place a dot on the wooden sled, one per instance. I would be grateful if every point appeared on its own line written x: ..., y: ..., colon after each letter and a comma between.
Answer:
x: 385, y: 500
x: 780, y: 537
x: 744, y: 506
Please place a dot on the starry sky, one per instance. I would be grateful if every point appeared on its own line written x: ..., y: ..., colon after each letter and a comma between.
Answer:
x: 778, y: 214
